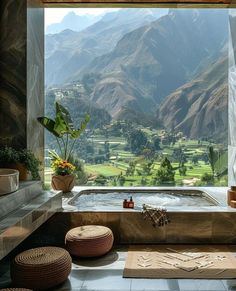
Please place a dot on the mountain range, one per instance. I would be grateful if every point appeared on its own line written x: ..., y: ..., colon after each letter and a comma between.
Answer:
x: 73, y: 22
x: 171, y: 66
x: 75, y: 50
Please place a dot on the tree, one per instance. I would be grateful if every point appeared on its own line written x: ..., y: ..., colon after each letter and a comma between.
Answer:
x: 156, y: 143
x: 81, y: 175
x: 107, y: 150
x: 212, y: 158
x: 116, y: 128
x: 195, y: 160
x: 165, y: 174
x: 179, y: 155
x: 131, y: 168
x: 100, y: 180
x: 148, y: 152
x: 182, y: 169
x: 114, y: 182
x: 121, y: 179
x: 143, y: 181
x: 207, y: 178
x: 146, y: 168
x: 137, y: 141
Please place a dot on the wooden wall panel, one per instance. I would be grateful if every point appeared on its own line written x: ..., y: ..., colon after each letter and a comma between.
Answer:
x: 13, y: 73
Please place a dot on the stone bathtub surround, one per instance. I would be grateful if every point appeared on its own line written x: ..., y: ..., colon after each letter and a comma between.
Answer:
x: 130, y: 228
x: 213, y: 224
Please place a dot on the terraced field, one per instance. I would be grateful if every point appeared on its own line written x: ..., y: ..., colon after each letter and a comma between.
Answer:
x: 120, y: 159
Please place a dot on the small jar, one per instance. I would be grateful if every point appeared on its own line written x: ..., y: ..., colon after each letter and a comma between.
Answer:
x: 125, y: 203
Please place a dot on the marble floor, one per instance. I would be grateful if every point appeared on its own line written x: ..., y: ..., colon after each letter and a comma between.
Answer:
x: 105, y: 274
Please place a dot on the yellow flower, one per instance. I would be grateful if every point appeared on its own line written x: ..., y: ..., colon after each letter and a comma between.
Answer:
x: 61, y: 165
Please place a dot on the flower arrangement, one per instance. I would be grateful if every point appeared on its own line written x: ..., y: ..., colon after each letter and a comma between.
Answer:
x: 62, y: 167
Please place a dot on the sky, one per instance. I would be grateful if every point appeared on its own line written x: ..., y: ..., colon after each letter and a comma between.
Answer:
x: 55, y: 15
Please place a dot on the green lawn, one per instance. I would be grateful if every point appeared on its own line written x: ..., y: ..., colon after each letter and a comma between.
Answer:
x: 103, y: 169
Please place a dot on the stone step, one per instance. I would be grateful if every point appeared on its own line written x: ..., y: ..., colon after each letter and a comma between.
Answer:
x: 20, y: 223
x: 27, y: 191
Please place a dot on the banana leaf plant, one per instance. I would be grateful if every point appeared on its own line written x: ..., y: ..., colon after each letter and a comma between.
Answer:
x: 63, y: 129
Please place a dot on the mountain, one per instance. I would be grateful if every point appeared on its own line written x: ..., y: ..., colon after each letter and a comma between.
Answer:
x: 73, y: 22
x: 152, y: 61
x: 68, y: 52
x: 199, y: 107
x: 134, y: 66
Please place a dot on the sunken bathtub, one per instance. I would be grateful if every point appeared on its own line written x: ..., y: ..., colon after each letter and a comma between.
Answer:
x: 197, y: 215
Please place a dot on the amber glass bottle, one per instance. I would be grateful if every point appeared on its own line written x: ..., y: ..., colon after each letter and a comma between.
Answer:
x: 231, y: 194
x: 131, y: 203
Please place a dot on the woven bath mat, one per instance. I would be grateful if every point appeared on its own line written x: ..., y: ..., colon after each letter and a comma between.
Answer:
x: 180, y: 261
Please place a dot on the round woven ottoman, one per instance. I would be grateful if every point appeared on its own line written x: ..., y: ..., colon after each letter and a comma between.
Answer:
x: 89, y: 241
x: 41, y: 268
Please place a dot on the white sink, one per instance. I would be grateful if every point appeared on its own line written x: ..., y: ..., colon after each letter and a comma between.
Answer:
x: 9, y: 181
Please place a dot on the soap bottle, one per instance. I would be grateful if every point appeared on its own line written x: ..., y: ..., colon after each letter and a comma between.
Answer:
x: 131, y: 202
x: 125, y: 203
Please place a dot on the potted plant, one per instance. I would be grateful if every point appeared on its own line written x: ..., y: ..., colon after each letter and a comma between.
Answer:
x: 22, y: 160
x: 66, y: 134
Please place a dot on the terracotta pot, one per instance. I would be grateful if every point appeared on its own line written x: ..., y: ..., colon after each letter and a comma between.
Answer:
x: 63, y: 183
x: 23, y: 172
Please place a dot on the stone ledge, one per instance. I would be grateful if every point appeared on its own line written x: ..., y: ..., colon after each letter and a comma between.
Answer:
x: 18, y: 225
x: 27, y: 191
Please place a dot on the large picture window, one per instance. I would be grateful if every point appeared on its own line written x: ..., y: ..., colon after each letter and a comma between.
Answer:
x: 154, y: 82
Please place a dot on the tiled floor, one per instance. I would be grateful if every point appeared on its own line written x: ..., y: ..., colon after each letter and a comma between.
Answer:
x: 106, y: 274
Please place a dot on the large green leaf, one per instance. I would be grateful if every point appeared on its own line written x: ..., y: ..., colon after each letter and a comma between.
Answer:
x: 65, y: 113
x: 64, y: 118
x: 60, y: 125
x: 77, y: 132
x: 49, y: 124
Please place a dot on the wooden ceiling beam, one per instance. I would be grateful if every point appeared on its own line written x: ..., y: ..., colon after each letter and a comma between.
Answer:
x: 135, y: 3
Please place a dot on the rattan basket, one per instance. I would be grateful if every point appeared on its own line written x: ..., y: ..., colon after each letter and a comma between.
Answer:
x: 41, y: 268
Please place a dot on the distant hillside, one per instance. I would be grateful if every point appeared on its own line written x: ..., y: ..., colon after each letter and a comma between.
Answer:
x: 75, y: 50
x: 199, y: 108
x: 152, y: 61
x: 73, y: 22
x: 78, y: 107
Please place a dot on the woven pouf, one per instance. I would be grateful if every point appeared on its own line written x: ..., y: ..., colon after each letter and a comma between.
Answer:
x: 41, y: 268
x: 89, y: 241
